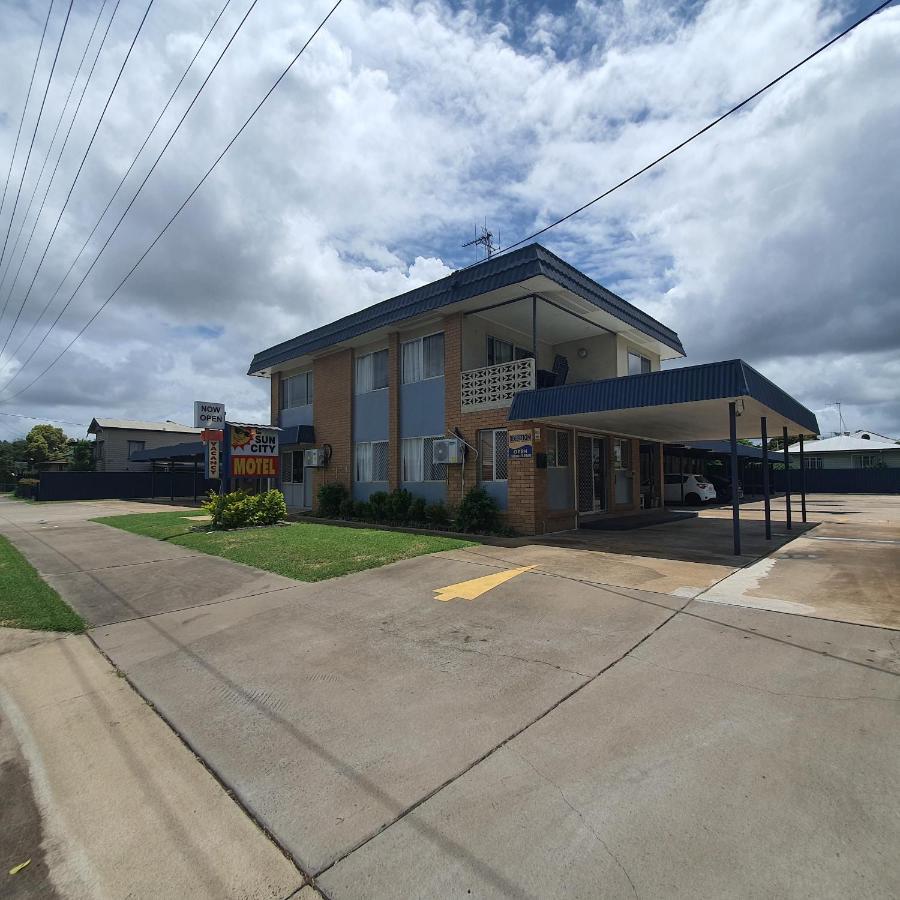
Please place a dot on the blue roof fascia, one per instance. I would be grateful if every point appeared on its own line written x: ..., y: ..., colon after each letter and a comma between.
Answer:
x: 711, y: 381
x: 497, y: 272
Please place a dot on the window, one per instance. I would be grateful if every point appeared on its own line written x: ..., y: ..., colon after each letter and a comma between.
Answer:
x: 492, y: 455
x: 371, y: 461
x: 297, y: 390
x: 422, y: 358
x: 292, y: 467
x: 865, y: 461
x: 416, y: 460
x: 622, y: 453
x: 98, y: 449
x: 500, y: 351
x: 371, y: 372
x: 637, y: 364
x: 814, y: 462
x: 558, y: 449
x: 134, y: 447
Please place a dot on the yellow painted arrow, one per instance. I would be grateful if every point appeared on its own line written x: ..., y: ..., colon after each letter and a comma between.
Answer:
x: 469, y: 590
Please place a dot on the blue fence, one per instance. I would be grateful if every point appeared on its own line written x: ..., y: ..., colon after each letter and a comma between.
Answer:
x: 843, y: 481
x: 122, y: 485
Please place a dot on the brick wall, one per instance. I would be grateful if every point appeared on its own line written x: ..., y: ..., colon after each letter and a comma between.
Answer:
x: 332, y: 417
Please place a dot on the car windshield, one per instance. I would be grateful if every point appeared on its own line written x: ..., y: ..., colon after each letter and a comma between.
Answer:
x: 700, y: 479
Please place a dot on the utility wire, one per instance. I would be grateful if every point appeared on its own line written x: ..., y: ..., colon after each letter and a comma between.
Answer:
x: 62, y: 114
x: 696, y: 134
x: 134, y: 197
x: 25, y: 107
x: 62, y: 34
x: 178, y: 211
x: 83, y: 158
x: 41, y: 419
x: 78, y: 255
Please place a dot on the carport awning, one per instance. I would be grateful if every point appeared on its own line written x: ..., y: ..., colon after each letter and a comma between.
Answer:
x: 172, y: 453
x: 686, y: 404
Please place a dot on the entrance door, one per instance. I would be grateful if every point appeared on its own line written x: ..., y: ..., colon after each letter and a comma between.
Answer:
x: 591, y: 461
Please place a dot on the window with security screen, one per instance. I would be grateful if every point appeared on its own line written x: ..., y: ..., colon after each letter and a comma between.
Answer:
x: 558, y: 449
x: 493, y: 455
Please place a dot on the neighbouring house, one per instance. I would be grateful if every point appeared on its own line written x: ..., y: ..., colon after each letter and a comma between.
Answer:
x: 520, y: 349
x: 858, y: 450
x: 54, y: 465
x: 116, y: 441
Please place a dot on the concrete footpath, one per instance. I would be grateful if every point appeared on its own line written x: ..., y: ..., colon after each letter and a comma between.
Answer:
x: 553, y: 736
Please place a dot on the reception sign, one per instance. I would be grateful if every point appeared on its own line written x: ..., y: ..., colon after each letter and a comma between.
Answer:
x: 521, y: 443
x: 253, y: 451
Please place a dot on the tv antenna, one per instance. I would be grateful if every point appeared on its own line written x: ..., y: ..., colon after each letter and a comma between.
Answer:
x: 484, y: 239
x: 837, y: 403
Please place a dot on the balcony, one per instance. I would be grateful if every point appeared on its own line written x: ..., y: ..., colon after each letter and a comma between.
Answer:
x: 493, y: 387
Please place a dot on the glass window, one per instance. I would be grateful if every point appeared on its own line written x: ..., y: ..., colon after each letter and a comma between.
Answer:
x: 371, y: 372
x: 422, y: 358
x: 134, y: 447
x: 297, y: 390
x: 500, y: 351
x: 297, y: 467
x: 558, y: 449
x: 637, y: 364
x: 286, y: 468
x: 814, y: 462
x: 622, y: 453
x: 416, y: 460
x: 371, y: 461
x: 492, y: 454
x: 98, y: 449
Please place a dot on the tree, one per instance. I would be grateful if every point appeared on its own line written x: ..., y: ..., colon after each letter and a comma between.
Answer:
x: 45, y: 442
x: 82, y: 456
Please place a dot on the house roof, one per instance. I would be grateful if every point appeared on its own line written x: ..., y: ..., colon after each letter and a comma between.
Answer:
x: 653, y: 405
x: 498, y: 272
x: 848, y: 443
x: 137, y: 425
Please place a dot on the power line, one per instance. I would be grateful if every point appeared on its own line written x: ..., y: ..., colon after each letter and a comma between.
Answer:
x: 134, y: 197
x: 83, y: 158
x: 37, y: 122
x: 78, y: 255
x: 37, y: 182
x: 178, y: 211
x: 697, y: 134
x: 41, y: 419
x: 25, y: 107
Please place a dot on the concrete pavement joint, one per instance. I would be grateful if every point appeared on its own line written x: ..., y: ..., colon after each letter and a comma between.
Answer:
x: 491, y: 751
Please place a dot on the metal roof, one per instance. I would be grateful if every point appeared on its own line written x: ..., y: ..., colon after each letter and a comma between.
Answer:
x: 171, y: 453
x: 712, y: 381
x: 492, y: 274
x: 847, y: 443
x: 724, y: 447
x: 136, y: 425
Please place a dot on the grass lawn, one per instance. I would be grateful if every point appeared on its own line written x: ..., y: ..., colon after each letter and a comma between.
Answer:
x: 26, y: 600
x: 305, y: 551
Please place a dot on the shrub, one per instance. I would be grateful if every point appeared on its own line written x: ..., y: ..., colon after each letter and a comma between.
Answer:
x: 330, y: 497
x: 417, y: 510
x: 363, y: 511
x: 379, y: 503
x: 397, y: 506
x: 437, y: 514
x: 27, y: 488
x: 241, y: 510
x: 478, y: 512
x: 348, y: 508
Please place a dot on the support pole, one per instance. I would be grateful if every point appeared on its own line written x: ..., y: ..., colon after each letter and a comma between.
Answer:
x: 196, y: 463
x: 152, y: 480
x: 787, y: 481
x: 735, y: 502
x: 765, y: 477
x: 802, y: 482
x: 534, y: 330
x: 172, y: 481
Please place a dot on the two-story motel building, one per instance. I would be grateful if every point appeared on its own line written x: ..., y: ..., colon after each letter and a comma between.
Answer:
x: 525, y: 341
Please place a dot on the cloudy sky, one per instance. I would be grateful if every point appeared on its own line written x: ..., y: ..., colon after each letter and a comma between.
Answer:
x: 773, y: 238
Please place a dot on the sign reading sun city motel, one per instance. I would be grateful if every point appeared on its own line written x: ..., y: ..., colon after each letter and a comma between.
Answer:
x: 254, y: 452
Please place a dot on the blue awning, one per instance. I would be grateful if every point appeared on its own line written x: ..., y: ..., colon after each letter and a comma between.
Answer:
x: 296, y: 434
x: 677, y: 405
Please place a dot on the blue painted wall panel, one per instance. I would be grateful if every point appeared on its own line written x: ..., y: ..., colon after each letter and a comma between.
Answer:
x: 297, y: 415
x: 362, y: 490
x: 370, y: 416
x: 560, y: 489
x: 499, y: 490
x: 422, y: 408
x: 431, y: 491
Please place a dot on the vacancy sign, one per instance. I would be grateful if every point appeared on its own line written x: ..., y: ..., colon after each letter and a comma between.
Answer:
x: 213, y: 459
x: 254, y: 452
x: 209, y: 415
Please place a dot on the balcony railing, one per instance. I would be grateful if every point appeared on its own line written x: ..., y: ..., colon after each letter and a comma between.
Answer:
x: 493, y: 387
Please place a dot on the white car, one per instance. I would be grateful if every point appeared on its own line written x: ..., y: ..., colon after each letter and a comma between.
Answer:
x: 690, y: 489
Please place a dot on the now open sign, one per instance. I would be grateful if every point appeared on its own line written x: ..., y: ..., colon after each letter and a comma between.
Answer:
x: 209, y: 415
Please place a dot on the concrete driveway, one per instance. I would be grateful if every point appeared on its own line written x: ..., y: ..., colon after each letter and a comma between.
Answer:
x: 564, y: 733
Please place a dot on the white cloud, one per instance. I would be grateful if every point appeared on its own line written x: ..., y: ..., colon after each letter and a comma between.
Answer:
x: 771, y: 238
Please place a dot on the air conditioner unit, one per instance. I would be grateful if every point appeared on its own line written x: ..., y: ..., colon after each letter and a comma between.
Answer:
x: 314, y: 457
x: 447, y: 451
